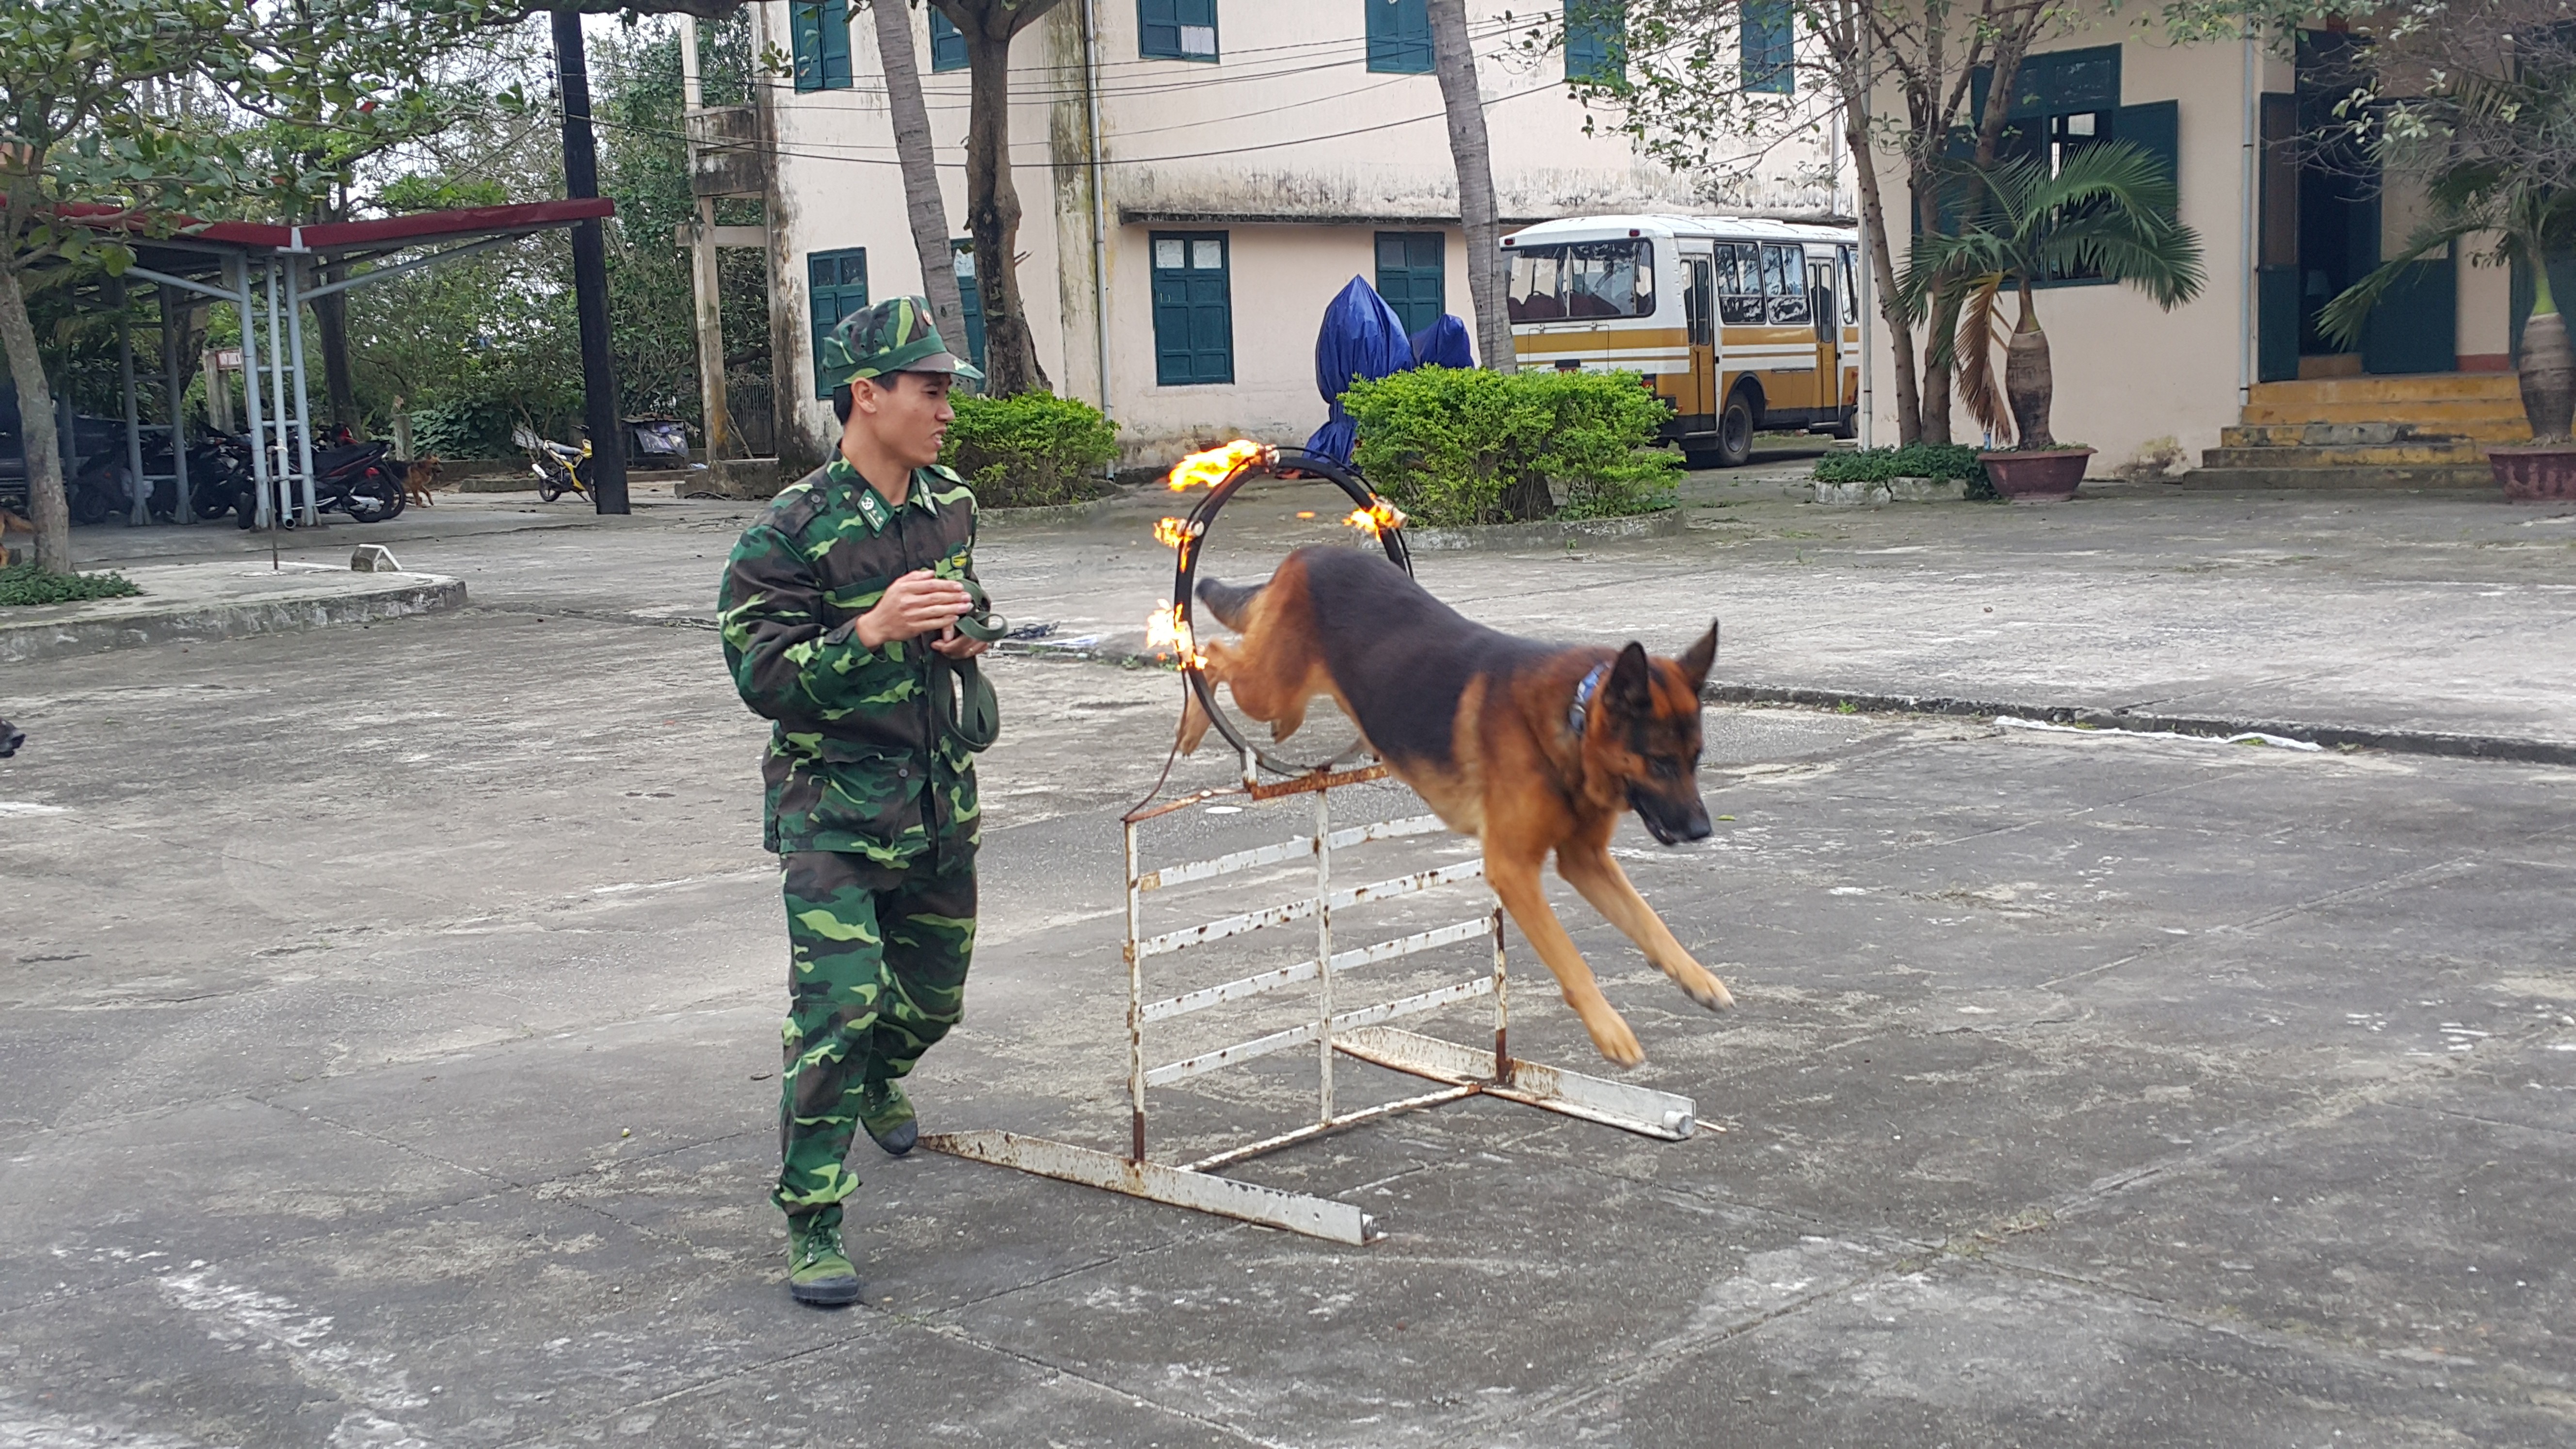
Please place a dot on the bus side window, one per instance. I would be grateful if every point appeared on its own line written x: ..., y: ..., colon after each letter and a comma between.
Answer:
x: 1851, y: 291
x: 1739, y: 284
x: 1784, y: 283
x: 1695, y: 304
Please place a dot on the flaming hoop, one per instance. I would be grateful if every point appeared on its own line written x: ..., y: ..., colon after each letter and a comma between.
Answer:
x: 1223, y: 472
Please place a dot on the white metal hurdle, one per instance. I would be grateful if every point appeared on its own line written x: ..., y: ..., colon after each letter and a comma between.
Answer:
x: 1356, y: 1032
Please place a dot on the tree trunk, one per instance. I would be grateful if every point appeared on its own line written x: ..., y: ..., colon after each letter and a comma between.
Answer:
x: 2029, y: 385
x: 1882, y: 265
x: 992, y: 203
x: 1454, y: 58
x: 49, y: 510
x: 912, y: 150
x: 2548, y: 371
x: 331, y: 314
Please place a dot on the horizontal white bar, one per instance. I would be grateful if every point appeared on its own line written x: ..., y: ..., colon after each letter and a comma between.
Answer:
x: 1316, y: 1217
x: 1279, y: 1041
x: 1280, y: 915
x: 1642, y: 1110
x: 1254, y: 985
x: 1289, y: 849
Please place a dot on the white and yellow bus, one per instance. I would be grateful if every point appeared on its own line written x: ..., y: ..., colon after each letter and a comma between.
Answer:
x: 1740, y: 324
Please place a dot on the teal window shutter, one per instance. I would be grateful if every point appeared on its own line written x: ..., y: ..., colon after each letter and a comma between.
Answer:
x: 1412, y: 275
x: 947, y: 43
x: 836, y: 286
x: 836, y: 45
x: 1176, y: 29
x: 1399, y: 36
x: 1596, y: 40
x: 1767, y: 48
x: 2155, y: 128
x: 805, y: 38
x: 1193, y: 308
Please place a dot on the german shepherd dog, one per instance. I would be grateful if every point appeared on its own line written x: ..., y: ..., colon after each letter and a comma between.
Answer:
x: 1528, y: 747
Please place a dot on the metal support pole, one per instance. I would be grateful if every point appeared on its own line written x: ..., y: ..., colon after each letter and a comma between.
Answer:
x: 175, y: 381
x: 1135, y: 1005
x: 294, y: 268
x: 600, y: 406
x: 139, y: 511
x: 284, y: 470
x: 254, y: 420
x: 1502, y: 1009
x: 1324, y: 956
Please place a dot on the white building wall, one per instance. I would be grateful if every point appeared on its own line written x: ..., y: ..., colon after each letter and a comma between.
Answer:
x: 1288, y: 143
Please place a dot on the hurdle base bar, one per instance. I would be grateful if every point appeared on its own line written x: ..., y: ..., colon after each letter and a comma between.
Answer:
x: 1316, y: 1217
x: 1463, y: 1072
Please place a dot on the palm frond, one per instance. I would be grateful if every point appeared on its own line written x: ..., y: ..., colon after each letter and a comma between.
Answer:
x: 1979, y: 385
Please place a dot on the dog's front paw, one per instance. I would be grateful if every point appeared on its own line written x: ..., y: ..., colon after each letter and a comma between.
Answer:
x: 1615, y: 1041
x: 1707, y: 990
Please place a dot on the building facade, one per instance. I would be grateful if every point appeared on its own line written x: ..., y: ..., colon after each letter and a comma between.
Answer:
x: 2239, y: 382
x: 1200, y: 177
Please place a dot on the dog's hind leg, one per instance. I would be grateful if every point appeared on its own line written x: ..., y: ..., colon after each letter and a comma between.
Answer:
x: 1589, y: 868
x: 1515, y: 883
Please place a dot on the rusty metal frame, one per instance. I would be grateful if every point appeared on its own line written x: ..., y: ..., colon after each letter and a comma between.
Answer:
x: 1336, y: 1029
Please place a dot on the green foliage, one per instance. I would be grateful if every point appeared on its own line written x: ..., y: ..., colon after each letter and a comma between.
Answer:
x: 1030, y: 450
x: 1447, y: 444
x: 29, y: 584
x: 1914, y: 460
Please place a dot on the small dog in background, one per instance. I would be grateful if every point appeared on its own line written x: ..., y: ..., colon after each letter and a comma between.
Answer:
x: 420, y: 477
x: 12, y: 523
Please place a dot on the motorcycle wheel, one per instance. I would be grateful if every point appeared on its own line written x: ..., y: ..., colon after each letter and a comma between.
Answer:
x: 90, y: 504
x: 375, y: 498
x: 548, y: 489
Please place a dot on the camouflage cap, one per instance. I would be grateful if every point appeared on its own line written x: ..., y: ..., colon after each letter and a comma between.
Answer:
x: 895, y: 335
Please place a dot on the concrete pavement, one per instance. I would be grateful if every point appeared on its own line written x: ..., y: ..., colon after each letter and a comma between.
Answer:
x: 389, y: 1028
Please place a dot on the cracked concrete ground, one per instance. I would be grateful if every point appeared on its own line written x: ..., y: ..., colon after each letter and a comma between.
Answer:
x: 387, y: 1023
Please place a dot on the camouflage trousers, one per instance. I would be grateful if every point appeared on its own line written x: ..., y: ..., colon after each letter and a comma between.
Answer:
x: 876, y: 975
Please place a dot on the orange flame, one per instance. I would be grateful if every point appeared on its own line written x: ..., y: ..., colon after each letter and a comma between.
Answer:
x: 1377, y: 518
x: 1165, y: 632
x: 1205, y: 470
x: 1170, y: 532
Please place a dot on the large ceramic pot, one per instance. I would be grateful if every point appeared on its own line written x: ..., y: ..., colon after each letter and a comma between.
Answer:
x: 2046, y: 475
x: 2545, y: 473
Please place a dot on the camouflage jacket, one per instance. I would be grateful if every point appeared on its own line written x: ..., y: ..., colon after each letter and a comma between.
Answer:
x: 855, y: 763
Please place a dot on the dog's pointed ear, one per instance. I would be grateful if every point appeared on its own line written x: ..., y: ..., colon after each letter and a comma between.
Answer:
x: 1697, y: 659
x: 1631, y: 685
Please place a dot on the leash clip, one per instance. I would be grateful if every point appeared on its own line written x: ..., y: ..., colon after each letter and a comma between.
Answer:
x: 1591, y: 685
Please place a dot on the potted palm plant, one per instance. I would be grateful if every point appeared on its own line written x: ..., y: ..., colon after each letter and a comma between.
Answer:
x: 2106, y: 212
x: 2498, y: 158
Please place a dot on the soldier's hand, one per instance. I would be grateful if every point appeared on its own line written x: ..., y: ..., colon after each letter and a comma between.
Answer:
x: 958, y: 646
x: 913, y: 605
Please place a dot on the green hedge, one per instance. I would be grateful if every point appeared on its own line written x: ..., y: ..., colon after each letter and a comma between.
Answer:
x: 1449, y: 445
x: 1030, y: 450
x: 28, y: 584
x: 1914, y: 460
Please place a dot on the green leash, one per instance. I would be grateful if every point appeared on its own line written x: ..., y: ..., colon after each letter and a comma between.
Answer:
x: 968, y: 711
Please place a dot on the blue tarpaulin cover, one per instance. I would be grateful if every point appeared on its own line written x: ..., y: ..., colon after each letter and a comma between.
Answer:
x: 1443, y: 344
x: 1361, y: 337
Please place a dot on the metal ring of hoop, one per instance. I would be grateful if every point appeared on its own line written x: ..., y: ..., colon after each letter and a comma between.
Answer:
x: 1270, y: 464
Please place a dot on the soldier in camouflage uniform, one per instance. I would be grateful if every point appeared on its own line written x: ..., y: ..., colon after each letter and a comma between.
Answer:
x: 832, y: 607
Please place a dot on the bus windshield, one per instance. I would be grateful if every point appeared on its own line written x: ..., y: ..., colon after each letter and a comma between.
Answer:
x: 1577, y: 280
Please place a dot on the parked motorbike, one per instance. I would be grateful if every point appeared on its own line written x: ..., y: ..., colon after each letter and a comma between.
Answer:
x: 560, y: 468
x: 362, y: 480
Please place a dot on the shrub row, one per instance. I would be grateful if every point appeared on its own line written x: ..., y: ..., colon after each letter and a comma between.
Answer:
x: 1031, y: 450
x: 1936, y: 461
x: 1454, y: 446
x: 28, y: 584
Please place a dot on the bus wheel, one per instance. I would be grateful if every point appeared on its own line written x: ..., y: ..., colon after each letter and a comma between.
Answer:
x: 1734, y: 433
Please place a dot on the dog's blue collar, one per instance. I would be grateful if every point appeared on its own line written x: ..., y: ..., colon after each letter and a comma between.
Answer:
x: 1591, y: 685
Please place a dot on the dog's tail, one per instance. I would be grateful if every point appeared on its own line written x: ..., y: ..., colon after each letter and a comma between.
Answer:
x: 1228, y: 601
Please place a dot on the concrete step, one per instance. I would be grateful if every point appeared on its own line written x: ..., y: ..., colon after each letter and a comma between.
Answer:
x: 2367, y: 479
x: 2487, y: 422
x: 2419, y: 387
x: 2333, y: 435
x: 2461, y: 454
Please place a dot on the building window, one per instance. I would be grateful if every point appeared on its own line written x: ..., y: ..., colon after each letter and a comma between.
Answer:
x: 2064, y: 101
x: 947, y: 43
x: 819, y: 30
x: 970, y: 297
x: 1176, y: 29
x: 1596, y: 41
x: 1193, y: 308
x: 1412, y: 274
x: 837, y: 286
x: 1399, y: 35
x: 1767, y: 48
